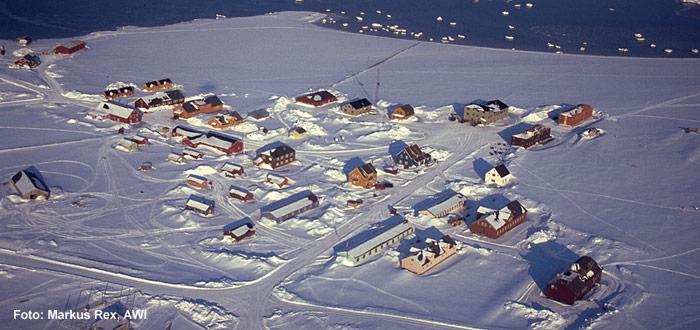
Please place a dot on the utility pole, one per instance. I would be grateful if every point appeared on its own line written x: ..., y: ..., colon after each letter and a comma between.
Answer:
x: 376, y: 89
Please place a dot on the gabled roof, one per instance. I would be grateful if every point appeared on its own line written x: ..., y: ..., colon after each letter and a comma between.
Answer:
x: 73, y: 43
x: 530, y: 132
x: 291, y: 204
x: 238, y: 191
x: 231, y: 167
x: 407, y: 108
x: 115, y: 109
x: 278, y: 150
x: 447, y: 203
x: 259, y: 114
x: 199, y: 203
x: 502, y: 170
x: 382, y: 235
x: 240, y: 228
x: 499, y: 218
x: 162, y: 97
x: 186, y: 131
x: 414, y: 152
x: 360, y: 103
x: 197, y: 179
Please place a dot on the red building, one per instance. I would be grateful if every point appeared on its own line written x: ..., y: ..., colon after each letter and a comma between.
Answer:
x: 116, y: 93
x: 574, y: 283
x: 224, y: 143
x: 120, y: 113
x: 69, y: 47
x: 576, y: 115
x: 29, y: 61
x: 317, y: 99
x: 240, y: 194
x: 275, y: 155
x: 533, y: 135
x: 239, y: 231
x: 171, y: 97
x: 494, y: 223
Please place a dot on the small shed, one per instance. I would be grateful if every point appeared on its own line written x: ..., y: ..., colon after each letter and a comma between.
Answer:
x: 30, y: 184
x: 127, y: 145
x: 176, y: 158
x: 192, y: 154
x: 231, y: 169
x: 278, y: 180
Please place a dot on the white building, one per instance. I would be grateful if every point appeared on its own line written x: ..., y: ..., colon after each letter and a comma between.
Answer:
x: 291, y: 206
x: 446, y: 206
x: 499, y: 176
x: 388, y: 235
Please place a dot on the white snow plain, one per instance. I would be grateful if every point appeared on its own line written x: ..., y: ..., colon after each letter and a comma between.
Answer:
x: 112, y: 233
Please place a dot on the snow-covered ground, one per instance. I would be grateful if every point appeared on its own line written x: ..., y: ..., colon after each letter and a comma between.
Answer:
x: 627, y: 198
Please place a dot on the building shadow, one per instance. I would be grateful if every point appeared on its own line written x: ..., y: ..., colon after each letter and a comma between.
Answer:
x: 512, y: 130
x: 546, y: 259
x: 481, y: 166
x: 564, y: 107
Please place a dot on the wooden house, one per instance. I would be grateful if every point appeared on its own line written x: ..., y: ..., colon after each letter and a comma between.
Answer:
x: 451, y: 202
x: 291, y: 206
x: 411, y: 156
x: 200, y: 205
x: 158, y: 85
x: 575, y: 116
x: 30, y: 184
x: 126, y: 145
x: 537, y: 134
x: 357, y: 107
x: 317, y: 99
x: 28, y: 61
x: 240, y: 230
x: 363, y: 176
x: 482, y: 112
x: 494, y: 223
x: 140, y: 140
x: 402, y: 112
x: 116, y: 93
x: 574, y: 283
x: 240, y: 194
x: 277, y: 180
x: 208, y: 104
x: 198, y: 182
x: 231, y: 170
x: 420, y: 260
x: 171, y: 97
x: 380, y: 239
x: 176, y: 158
x: 499, y: 176
x: 225, y: 121
x: 275, y: 156
x: 69, y: 47
x: 120, y: 113
x: 192, y: 154
x: 224, y: 143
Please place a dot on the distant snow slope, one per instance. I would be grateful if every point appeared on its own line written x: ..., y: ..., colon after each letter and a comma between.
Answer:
x: 628, y: 198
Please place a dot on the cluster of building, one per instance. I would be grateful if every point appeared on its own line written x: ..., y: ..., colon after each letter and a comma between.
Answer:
x: 33, y: 60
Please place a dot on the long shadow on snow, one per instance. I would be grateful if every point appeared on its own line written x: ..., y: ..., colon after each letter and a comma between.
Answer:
x: 506, y: 133
x: 546, y: 259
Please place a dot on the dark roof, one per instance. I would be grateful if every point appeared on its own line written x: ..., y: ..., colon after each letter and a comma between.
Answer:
x: 367, y: 169
x: 258, y: 114
x: 189, y: 107
x: 502, y: 170
x: 360, y: 103
x: 175, y: 94
x: 415, y: 152
x: 236, y: 115
x: 516, y: 209
x: 213, y: 100
x: 407, y: 108
x: 490, y: 105
x: 165, y: 81
x: 281, y: 151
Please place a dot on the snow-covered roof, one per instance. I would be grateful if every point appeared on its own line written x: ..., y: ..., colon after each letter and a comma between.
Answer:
x: 199, y: 203
x: 500, y: 217
x: 530, y: 132
x: 276, y: 178
x: 72, y: 43
x: 292, y: 203
x: 186, y: 131
x: 447, y: 204
x: 239, y: 229
x: 579, y: 108
x: 231, y: 167
x: 238, y: 191
x: 218, y: 141
x: 115, y: 109
x: 197, y: 179
x: 387, y: 233
x: 192, y: 152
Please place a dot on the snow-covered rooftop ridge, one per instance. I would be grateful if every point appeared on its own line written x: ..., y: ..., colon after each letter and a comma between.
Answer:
x: 119, y: 110
x: 453, y: 200
x: 530, y: 132
x: 384, y: 234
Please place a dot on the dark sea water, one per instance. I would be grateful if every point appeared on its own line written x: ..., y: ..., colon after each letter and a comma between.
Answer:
x: 601, y: 27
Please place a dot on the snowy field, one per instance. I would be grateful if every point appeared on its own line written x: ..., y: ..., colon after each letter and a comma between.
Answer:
x: 111, y: 233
